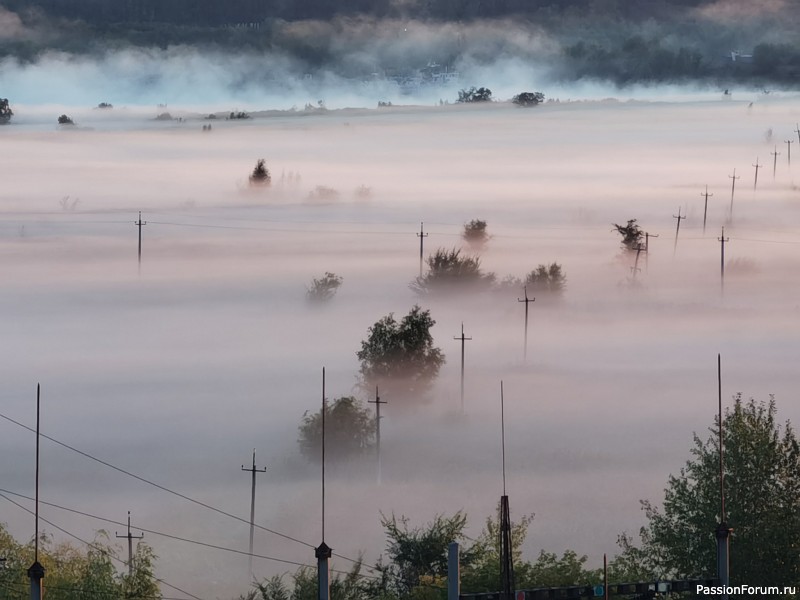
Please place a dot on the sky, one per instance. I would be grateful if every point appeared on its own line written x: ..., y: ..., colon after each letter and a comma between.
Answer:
x: 178, y: 370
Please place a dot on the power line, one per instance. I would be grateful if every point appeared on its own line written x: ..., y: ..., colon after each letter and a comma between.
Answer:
x: 91, y: 545
x: 173, y: 492
x: 162, y: 534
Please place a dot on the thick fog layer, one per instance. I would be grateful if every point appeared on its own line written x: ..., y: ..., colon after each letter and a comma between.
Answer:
x: 177, y: 372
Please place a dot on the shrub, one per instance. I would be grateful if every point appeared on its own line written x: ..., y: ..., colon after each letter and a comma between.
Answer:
x: 546, y: 279
x: 65, y: 120
x: 323, y: 289
x: 475, y: 232
x: 449, y: 271
x: 481, y: 94
x: 260, y: 174
x: 528, y: 98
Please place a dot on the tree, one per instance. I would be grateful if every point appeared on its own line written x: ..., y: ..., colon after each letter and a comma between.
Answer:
x: 65, y: 120
x: 323, y: 289
x: 419, y: 556
x: 448, y: 271
x: 349, y: 430
x: 475, y: 232
x: 631, y: 234
x: 762, y: 501
x: 546, y: 280
x: 5, y: 111
x: 481, y: 94
x: 528, y: 98
x: 260, y: 175
x: 400, y: 356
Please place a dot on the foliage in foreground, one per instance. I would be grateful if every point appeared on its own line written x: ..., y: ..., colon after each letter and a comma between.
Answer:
x: 72, y: 574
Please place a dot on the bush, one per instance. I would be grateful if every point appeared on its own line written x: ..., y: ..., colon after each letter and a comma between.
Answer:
x: 528, y: 98
x: 349, y: 430
x: 449, y: 271
x: 5, y: 111
x: 631, y: 234
x: 481, y: 94
x: 323, y: 289
x: 260, y: 174
x: 475, y: 232
x: 65, y: 120
x: 547, y: 279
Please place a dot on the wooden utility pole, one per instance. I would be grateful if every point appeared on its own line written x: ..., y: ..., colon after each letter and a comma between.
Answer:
x: 139, y: 224
x: 463, y: 339
x: 635, y: 268
x: 130, y: 539
x: 755, y: 180
x: 647, y: 237
x: 421, y: 235
x: 733, y: 179
x: 775, y: 161
x: 789, y: 151
x: 706, y: 195
x: 36, y: 570
x: 797, y: 129
x: 677, y: 229
x: 377, y: 402
x: 254, y: 471
x: 527, y: 301
x: 722, y: 241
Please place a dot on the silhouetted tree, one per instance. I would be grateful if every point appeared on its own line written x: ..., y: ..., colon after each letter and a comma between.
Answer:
x: 481, y: 94
x: 260, y: 175
x: 631, y: 234
x: 546, y: 280
x: 349, y: 430
x: 528, y: 98
x: 5, y: 111
x: 449, y: 271
x: 323, y: 289
x: 475, y: 232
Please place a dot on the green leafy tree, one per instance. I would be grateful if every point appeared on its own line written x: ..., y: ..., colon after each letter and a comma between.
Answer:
x: 418, y: 567
x: 528, y: 99
x: 631, y: 234
x: 324, y: 289
x: 472, y: 94
x: 349, y: 430
x: 399, y: 356
x: 142, y: 582
x: 260, y: 175
x: 5, y: 111
x: 762, y: 501
x: 550, y: 570
x: 449, y: 271
x: 547, y: 280
x: 475, y: 232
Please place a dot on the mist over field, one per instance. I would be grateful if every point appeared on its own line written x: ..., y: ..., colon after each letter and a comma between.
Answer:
x: 178, y: 372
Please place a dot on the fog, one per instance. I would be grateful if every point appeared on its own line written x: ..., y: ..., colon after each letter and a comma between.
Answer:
x: 178, y: 371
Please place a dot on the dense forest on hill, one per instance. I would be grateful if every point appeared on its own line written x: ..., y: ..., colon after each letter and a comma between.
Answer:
x: 622, y: 41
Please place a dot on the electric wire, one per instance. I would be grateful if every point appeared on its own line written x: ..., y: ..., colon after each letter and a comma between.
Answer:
x: 91, y: 545
x: 178, y: 494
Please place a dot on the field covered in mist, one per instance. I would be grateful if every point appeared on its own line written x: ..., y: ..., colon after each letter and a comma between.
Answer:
x: 177, y: 372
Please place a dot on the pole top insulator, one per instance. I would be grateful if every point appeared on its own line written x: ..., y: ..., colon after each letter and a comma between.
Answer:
x: 323, y: 551
x: 36, y: 571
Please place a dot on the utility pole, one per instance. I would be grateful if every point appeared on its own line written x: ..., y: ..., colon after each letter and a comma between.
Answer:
x: 722, y: 241
x: 706, y: 195
x: 253, y: 470
x: 733, y: 179
x: 526, y: 301
x: 377, y: 402
x: 139, y: 224
x: 647, y: 237
x: 757, y: 166
x: 797, y: 129
x: 789, y: 151
x: 775, y: 161
x: 677, y: 229
x: 421, y: 235
x: 463, y: 339
x: 130, y: 544
x: 635, y: 268
x: 323, y: 552
x: 36, y: 570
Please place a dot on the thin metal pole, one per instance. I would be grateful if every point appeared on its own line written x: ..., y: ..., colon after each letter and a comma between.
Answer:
x: 503, y: 434
x: 323, y: 454
x: 36, y: 538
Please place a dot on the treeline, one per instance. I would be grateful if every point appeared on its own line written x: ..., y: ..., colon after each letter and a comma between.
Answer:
x: 227, y: 12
